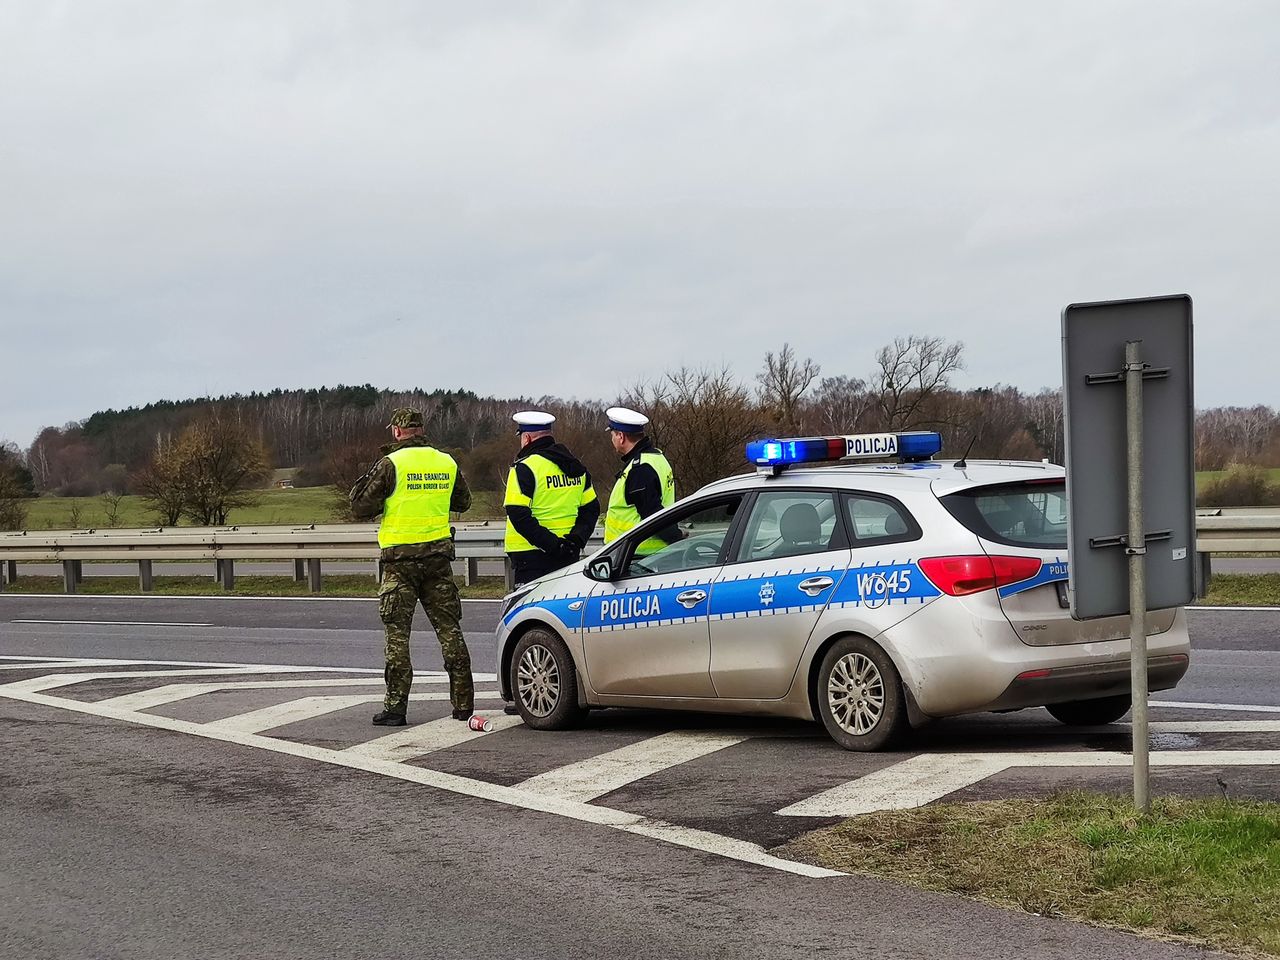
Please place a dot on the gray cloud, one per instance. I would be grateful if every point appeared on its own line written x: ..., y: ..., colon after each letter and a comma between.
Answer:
x: 564, y: 197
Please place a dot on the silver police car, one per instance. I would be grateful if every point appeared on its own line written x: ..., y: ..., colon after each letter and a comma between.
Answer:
x: 871, y: 597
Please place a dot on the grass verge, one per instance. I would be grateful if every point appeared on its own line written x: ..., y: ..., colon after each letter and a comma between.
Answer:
x: 1207, y: 871
x: 338, y: 585
x: 1243, y: 590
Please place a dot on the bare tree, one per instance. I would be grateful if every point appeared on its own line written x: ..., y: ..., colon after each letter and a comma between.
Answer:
x: 75, y: 516
x: 343, y: 467
x: 222, y: 461
x: 13, y: 506
x: 842, y: 405
x: 162, y: 483
x: 911, y: 372
x: 111, y: 508
x: 1045, y: 424
x: 782, y: 383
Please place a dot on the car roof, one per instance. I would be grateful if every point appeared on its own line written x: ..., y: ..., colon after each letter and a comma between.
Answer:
x: 940, y: 476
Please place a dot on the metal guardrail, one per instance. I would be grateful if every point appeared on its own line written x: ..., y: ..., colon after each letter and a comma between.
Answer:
x: 307, y: 546
x: 1216, y: 532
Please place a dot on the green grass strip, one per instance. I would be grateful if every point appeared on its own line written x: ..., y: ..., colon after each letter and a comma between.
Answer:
x: 1204, y: 870
x: 1243, y: 590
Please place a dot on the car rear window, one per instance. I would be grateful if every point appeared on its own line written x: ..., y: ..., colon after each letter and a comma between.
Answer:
x: 1029, y: 514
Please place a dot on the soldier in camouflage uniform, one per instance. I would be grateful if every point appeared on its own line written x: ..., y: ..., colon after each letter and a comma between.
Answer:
x: 415, y: 486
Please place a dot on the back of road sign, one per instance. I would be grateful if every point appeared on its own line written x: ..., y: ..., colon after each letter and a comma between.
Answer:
x: 1093, y: 348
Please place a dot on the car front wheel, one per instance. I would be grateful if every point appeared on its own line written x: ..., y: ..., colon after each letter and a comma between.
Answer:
x: 859, y: 695
x: 1091, y: 713
x: 545, y: 682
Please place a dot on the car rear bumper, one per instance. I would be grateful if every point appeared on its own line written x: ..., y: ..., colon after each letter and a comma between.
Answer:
x: 964, y: 657
x: 1088, y: 681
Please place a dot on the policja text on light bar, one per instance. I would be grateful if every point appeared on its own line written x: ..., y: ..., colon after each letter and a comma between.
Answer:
x: 775, y: 455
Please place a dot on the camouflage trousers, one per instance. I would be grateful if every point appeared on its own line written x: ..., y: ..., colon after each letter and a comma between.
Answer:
x: 429, y: 581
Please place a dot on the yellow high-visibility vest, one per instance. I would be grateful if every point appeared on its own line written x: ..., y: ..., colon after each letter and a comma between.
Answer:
x: 418, y: 510
x: 555, y: 502
x: 622, y: 516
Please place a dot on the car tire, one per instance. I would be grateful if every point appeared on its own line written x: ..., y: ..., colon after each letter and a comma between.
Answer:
x: 1091, y: 713
x: 544, y: 682
x: 859, y: 695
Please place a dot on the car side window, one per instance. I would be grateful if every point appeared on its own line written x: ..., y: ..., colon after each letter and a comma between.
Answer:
x: 703, y: 531
x: 874, y: 520
x: 789, y: 523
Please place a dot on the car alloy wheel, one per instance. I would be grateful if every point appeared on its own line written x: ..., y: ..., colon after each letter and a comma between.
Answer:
x: 544, y: 681
x: 538, y: 680
x: 855, y: 694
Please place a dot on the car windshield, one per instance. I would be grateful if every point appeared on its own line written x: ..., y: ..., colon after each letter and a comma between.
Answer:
x: 1029, y: 514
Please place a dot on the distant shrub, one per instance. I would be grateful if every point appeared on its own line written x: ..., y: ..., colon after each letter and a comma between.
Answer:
x: 1242, y: 485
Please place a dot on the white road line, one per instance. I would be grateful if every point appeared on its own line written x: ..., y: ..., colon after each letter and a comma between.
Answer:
x: 911, y: 783
x: 120, y: 623
x: 54, y: 680
x: 307, y: 708
x: 170, y: 693
x: 262, y: 667
x: 1228, y: 707
x: 930, y: 777
x: 50, y: 681
x: 464, y: 786
x: 596, y: 776
x: 59, y: 665
x: 1216, y: 726
x: 425, y: 738
x: 1238, y: 609
x: 304, y: 708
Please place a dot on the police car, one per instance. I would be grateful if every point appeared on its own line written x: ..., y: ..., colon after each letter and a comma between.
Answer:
x: 870, y: 597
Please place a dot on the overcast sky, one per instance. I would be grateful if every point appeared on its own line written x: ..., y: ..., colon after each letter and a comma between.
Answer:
x: 560, y: 198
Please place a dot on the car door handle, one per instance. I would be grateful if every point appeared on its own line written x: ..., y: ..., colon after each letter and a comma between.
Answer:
x: 691, y: 598
x: 815, y: 585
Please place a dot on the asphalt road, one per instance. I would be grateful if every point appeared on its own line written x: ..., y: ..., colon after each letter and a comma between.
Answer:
x: 141, y: 841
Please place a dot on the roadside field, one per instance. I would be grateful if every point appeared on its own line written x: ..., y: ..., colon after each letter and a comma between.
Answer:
x: 1202, y: 870
x: 301, y: 505
x: 1208, y: 476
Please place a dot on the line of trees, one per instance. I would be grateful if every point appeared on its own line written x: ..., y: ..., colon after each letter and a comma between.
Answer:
x: 200, y: 459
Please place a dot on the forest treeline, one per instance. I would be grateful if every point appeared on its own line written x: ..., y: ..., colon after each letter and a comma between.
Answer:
x: 701, y: 417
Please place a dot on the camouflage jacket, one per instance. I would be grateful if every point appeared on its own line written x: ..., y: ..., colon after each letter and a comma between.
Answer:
x: 371, y: 490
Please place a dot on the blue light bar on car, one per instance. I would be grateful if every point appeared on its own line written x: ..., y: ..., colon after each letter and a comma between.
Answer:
x: 907, y: 447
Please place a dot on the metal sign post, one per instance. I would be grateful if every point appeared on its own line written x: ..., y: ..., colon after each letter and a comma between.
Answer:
x: 1143, y: 434
x: 1137, y: 553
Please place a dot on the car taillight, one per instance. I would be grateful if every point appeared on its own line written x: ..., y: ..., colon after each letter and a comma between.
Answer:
x: 957, y: 576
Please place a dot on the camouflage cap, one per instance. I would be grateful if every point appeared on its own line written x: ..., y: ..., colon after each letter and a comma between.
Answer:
x: 406, y: 417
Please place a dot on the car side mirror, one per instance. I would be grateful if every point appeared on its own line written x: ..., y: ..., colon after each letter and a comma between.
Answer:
x: 601, y: 569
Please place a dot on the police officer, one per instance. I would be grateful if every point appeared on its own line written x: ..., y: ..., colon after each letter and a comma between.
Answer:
x: 550, y: 505
x: 645, y: 483
x: 414, y: 486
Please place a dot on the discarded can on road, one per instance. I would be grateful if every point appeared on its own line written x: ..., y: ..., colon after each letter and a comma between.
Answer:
x: 482, y: 724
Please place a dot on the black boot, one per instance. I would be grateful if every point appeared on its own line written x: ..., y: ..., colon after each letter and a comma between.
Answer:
x: 511, y: 710
x: 461, y: 714
x: 388, y: 718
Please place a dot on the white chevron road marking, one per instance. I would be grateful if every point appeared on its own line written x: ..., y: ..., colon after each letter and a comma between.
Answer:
x: 598, y: 775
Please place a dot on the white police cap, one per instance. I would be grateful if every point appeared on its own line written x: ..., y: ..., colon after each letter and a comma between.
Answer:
x: 626, y: 421
x: 532, y: 421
